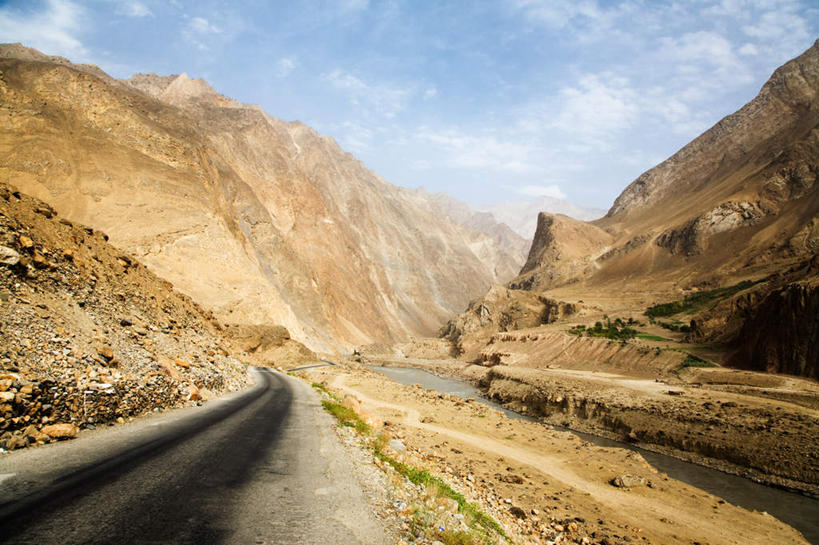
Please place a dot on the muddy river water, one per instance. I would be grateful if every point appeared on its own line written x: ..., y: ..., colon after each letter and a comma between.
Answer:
x: 797, y: 510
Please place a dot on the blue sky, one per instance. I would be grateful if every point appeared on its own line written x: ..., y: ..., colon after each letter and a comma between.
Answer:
x: 487, y: 101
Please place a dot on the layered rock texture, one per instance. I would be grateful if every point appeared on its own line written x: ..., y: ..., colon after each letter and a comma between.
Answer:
x: 261, y: 220
x: 739, y: 202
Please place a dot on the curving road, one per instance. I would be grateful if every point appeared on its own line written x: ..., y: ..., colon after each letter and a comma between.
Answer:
x: 261, y: 466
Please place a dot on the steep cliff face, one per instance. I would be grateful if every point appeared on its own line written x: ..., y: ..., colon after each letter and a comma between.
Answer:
x: 261, y: 220
x: 739, y: 202
x: 773, y: 327
x: 562, y: 251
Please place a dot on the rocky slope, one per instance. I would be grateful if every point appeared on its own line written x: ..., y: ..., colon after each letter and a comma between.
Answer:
x: 740, y: 202
x: 521, y: 216
x: 88, y: 335
x: 260, y: 220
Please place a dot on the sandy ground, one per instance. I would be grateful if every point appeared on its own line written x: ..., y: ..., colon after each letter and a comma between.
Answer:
x: 544, y: 478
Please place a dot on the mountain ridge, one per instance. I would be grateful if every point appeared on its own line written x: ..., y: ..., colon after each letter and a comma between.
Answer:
x: 258, y: 219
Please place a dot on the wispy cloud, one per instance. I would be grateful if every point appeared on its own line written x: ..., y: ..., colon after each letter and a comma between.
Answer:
x: 550, y: 190
x: 285, y: 66
x: 480, y: 151
x: 199, y: 32
x: 134, y: 8
x: 384, y: 99
x: 53, y: 28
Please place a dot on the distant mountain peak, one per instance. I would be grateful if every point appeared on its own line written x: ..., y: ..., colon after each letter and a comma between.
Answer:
x: 522, y: 216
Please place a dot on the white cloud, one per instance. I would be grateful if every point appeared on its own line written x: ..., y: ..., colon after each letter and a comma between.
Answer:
x: 463, y: 150
x: 386, y: 100
x: 134, y: 8
x: 557, y: 13
x: 596, y: 108
x: 432, y: 92
x: 748, y: 50
x: 552, y: 190
x: 199, y: 32
x: 285, y: 66
x: 54, y: 30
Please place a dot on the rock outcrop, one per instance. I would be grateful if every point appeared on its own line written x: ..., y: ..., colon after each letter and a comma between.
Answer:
x: 89, y: 336
x: 501, y: 309
x: 562, y: 251
x: 262, y: 221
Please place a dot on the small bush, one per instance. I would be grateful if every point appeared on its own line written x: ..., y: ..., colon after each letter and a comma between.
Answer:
x: 694, y: 361
x: 675, y: 326
x: 346, y: 416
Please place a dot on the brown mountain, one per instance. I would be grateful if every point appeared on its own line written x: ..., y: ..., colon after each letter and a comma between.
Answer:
x: 739, y: 203
x: 261, y: 220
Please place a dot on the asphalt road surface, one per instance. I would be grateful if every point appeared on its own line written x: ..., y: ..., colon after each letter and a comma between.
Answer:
x: 261, y: 466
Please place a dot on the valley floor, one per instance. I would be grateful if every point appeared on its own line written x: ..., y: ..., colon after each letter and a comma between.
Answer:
x: 541, y: 483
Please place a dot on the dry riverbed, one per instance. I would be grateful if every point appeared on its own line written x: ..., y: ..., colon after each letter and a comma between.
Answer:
x: 543, y: 485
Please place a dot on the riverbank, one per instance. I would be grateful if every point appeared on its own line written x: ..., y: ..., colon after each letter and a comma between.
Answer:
x: 539, y: 480
x: 764, y: 432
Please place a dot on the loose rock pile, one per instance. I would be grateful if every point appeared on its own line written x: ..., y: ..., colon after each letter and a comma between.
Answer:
x: 88, y: 335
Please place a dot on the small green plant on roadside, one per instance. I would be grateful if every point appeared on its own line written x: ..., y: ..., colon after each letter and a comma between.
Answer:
x: 322, y: 390
x: 346, y: 416
x: 472, y: 513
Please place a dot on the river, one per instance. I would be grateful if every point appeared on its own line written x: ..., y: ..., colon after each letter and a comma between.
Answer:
x: 799, y: 511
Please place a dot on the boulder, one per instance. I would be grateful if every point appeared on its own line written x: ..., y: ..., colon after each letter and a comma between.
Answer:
x: 627, y: 481
x: 26, y: 242
x: 184, y: 364
x: 60, y: 431
x: 8, y: 256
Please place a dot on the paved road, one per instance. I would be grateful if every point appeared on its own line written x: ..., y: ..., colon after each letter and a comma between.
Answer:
x: 261, y: 466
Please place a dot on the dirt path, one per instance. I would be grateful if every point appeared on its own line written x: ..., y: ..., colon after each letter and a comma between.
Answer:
x: 555, y: 472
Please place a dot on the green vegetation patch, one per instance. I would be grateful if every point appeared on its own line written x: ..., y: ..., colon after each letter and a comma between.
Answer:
x: 618, y: 330
x: 472, y: 513
x: 650, y: 337
x: 694, y: 361
x: 422, y: 476
x: 346, y: 416
x: 674, y: 326
x: 322, y: 390
x: 696, y: 301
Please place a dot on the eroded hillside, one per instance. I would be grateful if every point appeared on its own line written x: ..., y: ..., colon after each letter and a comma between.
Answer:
x: 261, y: 220
x: 740, y: 203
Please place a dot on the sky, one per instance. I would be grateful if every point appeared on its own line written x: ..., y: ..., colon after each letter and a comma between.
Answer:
x: 495, y: 101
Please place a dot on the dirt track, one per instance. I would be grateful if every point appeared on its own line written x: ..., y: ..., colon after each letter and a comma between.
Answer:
x: 550, y: 477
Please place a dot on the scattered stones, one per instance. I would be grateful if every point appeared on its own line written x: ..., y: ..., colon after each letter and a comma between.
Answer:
x: 397, y: 445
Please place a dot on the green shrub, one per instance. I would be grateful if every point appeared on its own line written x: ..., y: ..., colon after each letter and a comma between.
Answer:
x: 650, y: 337
x: 346, y: 416
x: 695, y: 301
x: 694, y: 361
